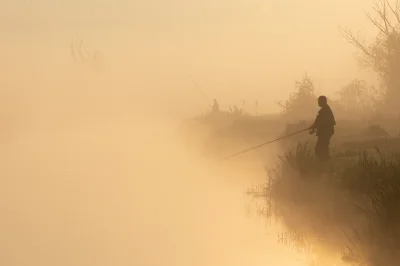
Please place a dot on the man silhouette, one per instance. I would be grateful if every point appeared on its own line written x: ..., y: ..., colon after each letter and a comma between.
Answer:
x: 215, y: 107
x: 324, y: 127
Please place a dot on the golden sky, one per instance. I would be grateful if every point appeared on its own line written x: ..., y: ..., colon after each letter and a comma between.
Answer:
x: 236, y: 49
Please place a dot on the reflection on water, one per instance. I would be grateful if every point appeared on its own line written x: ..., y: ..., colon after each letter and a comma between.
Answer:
x: 112, y: 194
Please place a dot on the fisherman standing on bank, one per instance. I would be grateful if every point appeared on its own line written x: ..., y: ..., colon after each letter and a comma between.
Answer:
x: 324, y: 127
x: 215, y: 107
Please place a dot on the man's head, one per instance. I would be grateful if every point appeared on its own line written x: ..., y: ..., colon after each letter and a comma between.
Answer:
x: 322, y: 101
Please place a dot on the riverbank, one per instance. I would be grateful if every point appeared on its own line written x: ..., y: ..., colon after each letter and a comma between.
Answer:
x: 354, y: 210
x: 347, y: 213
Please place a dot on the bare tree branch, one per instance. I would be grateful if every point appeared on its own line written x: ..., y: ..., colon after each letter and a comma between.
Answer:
x: 394, y: 11
x: 382, y: 12
x: 349, y: 36
x: 376, y: 23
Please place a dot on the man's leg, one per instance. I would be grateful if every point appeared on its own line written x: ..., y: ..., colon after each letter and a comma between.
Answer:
x: 322, y: 152
x: 322, y: 148
x: 318, y: 148
x: 325, y: 140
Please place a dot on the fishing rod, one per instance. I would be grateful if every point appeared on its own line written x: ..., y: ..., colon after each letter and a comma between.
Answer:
x: 201, y: 91
x: 258, y: 146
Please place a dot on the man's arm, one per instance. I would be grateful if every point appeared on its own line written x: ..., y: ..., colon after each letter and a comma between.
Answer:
x: 313, y: 127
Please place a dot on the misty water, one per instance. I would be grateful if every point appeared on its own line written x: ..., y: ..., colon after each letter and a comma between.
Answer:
x: 112, y: 193
x: 122, y: 188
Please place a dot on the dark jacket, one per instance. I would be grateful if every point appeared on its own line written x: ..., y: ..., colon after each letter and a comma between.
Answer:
x: 324, y: 122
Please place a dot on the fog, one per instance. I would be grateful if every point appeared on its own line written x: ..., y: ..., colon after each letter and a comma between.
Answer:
x: 252, y: 50
x: 93, y: 171
x: 115, y: 193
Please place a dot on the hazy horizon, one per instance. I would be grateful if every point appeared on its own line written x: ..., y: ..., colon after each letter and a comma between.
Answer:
x: 95, y: 171
x: 235, y: 50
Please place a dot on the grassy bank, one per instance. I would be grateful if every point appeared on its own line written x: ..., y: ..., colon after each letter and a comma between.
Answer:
x: 354, y: 209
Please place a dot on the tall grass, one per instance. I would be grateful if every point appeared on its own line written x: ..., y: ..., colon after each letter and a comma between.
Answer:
x: 355, y: 207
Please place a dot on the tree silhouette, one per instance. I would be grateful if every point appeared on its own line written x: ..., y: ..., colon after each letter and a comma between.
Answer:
x: 301, y: 104
x: 358, y: 98
x: 382, y: 55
